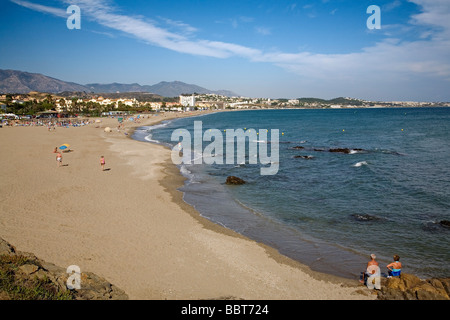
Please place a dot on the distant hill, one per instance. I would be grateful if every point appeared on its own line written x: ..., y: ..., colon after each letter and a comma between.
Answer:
x: 340, y: 100
x: 117, y: 87
x: 165, y: 89
x: 13, y: 81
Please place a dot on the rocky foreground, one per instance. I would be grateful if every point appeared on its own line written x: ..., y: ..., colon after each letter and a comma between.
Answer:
x: 32, y: 272
x: 24, y: 276
x: 410, y: 287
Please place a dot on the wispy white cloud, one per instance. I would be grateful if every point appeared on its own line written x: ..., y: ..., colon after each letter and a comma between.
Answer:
x: 108, y: 34
x: 182, y: 27
x: 436, y: 14
x: 388, y: 60
x: 237, y: 21
x: 41, y: 8
x: 391, y: 5
x: 263, y: 30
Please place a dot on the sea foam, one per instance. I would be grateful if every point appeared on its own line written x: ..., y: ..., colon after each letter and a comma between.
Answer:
x: 361, y: 163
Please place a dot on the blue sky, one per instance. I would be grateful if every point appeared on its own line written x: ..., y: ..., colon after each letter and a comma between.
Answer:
x: 273, y: 49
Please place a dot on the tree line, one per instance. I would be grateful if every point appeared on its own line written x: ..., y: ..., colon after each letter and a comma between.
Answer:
x: 75, y: 107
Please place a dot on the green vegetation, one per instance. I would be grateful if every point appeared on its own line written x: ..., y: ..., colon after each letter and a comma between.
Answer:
x: 340, y: 101
x: 16, y: 286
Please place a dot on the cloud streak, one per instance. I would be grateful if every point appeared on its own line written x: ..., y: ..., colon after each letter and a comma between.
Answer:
x: 41, y: 8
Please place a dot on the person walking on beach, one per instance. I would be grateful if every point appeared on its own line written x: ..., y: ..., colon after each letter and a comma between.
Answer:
x: 59, y: 159
x: 102, y: 162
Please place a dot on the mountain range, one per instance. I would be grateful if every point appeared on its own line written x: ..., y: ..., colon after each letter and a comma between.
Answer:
x: 20, y: 82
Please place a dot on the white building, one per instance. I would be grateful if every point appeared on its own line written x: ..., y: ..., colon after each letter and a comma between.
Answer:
x: 187, y: 101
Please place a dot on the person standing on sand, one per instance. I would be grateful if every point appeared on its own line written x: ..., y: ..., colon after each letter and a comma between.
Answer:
x: 59, y: 159
x: 102, y: 162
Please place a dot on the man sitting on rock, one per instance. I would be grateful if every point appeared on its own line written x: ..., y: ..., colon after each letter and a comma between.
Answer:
x: 368, y: 273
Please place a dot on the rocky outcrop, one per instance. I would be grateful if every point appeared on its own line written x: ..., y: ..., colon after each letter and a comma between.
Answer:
x: 232, y: 180
x: 345, y: 150
x: 410, y: 287
x: 32, y: 268
x: 445, y: 223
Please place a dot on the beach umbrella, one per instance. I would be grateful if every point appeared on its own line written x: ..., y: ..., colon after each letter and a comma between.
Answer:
x: 64, y: 146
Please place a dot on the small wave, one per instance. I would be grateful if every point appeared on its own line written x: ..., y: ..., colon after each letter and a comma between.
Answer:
x: 185, y: 170
x: 366, y: 217
x: 187, y: 173
x: 360, y: 164
x: 157, y: 126
x: 149, y: 139
x: 393, y: 152
x: 242, y: 164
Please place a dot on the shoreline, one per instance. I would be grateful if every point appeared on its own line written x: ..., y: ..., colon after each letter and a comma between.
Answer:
x: 326, y: 267
x: 131, y: 226
x: 176, y: 180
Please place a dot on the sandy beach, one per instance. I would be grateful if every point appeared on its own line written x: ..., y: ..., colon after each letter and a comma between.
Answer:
x: 130, y: 225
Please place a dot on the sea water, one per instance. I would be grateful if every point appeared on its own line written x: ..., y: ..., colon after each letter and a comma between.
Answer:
x: 385, y: 192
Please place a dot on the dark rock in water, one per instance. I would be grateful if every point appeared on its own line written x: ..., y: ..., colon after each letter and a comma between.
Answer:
x: 342, y: 150
x: 445, y: 223
x: 437, y: 226
x: 304, y: 157
x: 234, y: 180
x: 365, y: 217
x: 298, y: 147
x: 345, y: 150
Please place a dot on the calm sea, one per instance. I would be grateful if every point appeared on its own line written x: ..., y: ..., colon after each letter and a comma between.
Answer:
x: 330, y: 210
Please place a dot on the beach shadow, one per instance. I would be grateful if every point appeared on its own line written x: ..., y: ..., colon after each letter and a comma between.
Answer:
x: 64, y: 165
x: 107, y: 169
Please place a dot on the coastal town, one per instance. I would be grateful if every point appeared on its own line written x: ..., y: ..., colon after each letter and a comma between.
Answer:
x: 70, y: 104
